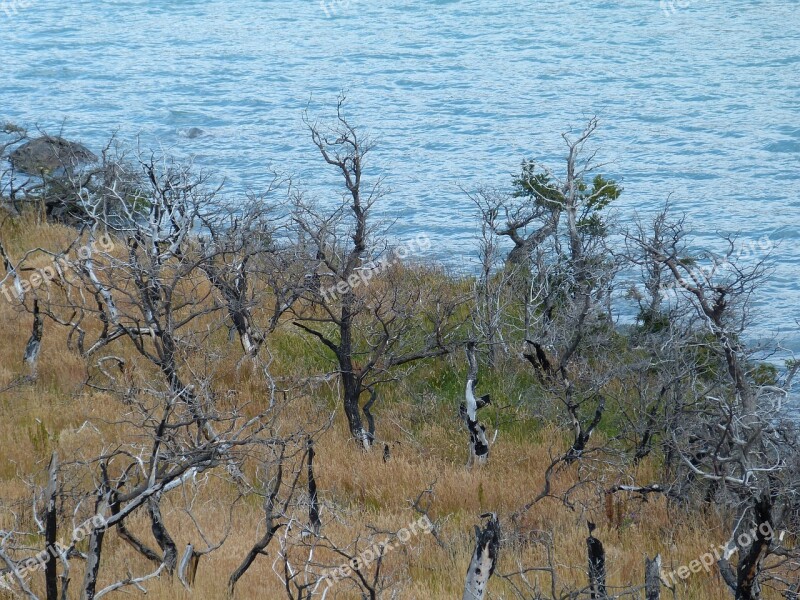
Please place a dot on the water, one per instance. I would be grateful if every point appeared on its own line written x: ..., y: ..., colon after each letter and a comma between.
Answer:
x: 699, y: 100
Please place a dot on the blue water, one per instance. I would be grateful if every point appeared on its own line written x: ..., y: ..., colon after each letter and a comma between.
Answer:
x: 699, y: 100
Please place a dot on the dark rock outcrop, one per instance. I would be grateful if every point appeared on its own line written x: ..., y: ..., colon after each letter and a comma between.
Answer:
x: 47, y: 154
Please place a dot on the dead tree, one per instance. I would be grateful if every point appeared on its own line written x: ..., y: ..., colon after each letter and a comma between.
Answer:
x: 141, y: 280
x: 280, y: 477
x: 493, y: 303
x: 478, y: 443
x: 545, y: 213
x: 246, y: 256
x: 557, y: 375
x: 346, y: 153
x: 597, y: 565
x: 745, y: 584
x: 313, y: 499
x: 34, y: 345
x: 51, y: 529
x: 484, y: 558
x: 21, y: 287
x: 735, y: 446
x: 565, y: 276
x: 132, y: 478
x: 363, y: 313
x: 136, y: 302
x: 718, y: 287
x: 652, y: 578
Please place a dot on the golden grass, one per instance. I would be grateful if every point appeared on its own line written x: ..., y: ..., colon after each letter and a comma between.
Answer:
x: 427, y: 446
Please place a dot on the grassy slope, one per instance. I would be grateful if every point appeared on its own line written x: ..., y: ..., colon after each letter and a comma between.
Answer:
x: 421, y: 416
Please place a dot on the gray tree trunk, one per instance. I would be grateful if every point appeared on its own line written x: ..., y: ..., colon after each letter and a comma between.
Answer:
x: 34, y: 344
x: 652, y: 578
x: 50, y: 525
x: 163, y: 538
x: 484, y: 559
x: 187, y: 568
x: 597, y: 566
x: 93, y: 554
x: 478, y: 443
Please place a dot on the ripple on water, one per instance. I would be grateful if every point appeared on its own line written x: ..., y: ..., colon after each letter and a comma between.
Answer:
x: 700, y: 105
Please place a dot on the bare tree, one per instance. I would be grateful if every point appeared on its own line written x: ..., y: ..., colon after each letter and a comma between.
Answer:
x: 493, y: 301
x: 246, y: 257
x: 281, y: 499
x: 735, y: 444
x: 138, y: 297
x: 372, y: 327
x: 543, y: 214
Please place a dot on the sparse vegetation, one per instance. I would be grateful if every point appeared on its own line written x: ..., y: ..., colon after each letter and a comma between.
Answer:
x: 187, y: 383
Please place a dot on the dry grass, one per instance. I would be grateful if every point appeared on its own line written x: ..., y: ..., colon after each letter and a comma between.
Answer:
x: 38, y: 418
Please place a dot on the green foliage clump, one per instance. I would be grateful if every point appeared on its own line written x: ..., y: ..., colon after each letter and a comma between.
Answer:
x: 538, y: 185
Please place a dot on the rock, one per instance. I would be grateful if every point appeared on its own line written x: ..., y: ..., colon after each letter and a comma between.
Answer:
x: 192, y: 132
x: 48, y: 154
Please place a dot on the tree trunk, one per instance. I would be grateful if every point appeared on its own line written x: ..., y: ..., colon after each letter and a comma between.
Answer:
x: 162, y: 536
x: 131, y: 539
x: 350, y: 381
x: 373, y: 395
x: 597, y: 566
x: 484, y: 559
x: 747, y: 587
x: 652, y: 578
x: 478, y: 444
x: 352, y: 408
x: 582, y: 434
x: 34, y: 344
x: 235, y: 296
x: 270, y: 503
x: 313, y: 501
x: 187, y: 568
x: 50, y: 567
x: 93, y: 554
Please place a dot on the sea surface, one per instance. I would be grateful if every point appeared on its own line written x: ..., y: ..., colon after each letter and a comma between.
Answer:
x: 698, y: 101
